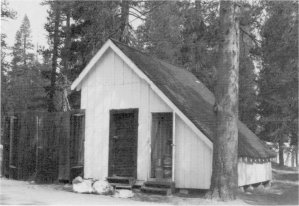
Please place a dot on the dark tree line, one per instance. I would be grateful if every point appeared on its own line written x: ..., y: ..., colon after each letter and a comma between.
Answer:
x: 278, y: 79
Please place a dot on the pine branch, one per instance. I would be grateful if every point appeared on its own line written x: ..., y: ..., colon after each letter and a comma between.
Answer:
x: 147, y: 12
x: 136, y: 15
x: 256, y: 41
x: 138, y: 11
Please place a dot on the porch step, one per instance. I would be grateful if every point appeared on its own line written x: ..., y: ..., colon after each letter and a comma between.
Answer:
x: 156, y: 190
x: 121, y: 186
x: 158, y: 186
x: 121, y: 182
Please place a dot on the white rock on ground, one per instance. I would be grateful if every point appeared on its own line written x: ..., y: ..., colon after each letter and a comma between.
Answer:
x: 77, y: 180
x: 83, y: 187
x: 123, y: 193
x: 249, y: 189
x: 241, y: 189
x: 260, y: 188
x: 102, y: 187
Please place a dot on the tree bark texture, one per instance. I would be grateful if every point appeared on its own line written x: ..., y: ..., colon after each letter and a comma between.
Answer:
x: 51, y: 105
x: 224, y: 181
x: 65, y: 105
x: 124, y: 20
x: 67, y: 41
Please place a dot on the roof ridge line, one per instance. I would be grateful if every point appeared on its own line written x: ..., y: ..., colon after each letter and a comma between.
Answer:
x: 147, y: 54
x: 114, y: 40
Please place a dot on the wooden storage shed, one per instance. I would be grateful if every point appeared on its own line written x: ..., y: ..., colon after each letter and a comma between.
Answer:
x: 148, y: 120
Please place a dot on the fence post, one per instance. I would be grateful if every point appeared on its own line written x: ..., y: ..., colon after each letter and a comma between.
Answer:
x: 12, y: 149
x: 77, y: 143
x: 64, y: 150
x: 36, y: 150
x: 5, y: 143
x: 11, y: 133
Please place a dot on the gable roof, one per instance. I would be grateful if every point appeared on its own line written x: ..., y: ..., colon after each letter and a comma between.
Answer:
x: 188, y: 94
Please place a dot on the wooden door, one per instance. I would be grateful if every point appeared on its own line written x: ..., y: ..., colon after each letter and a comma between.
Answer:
x: 161, y: 146
x: 123, y: 143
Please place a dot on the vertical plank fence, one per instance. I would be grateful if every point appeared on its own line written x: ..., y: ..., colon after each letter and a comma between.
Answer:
x: 45, y: 147
x: 77, y: 144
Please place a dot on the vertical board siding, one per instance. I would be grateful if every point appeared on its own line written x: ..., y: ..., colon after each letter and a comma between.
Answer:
x: 6, y: 147
x: 27, y: 145
x: 37, y: 145
x: 64, y: 150
x: 14, y: 148
x: 113, y: 85
x: 193, y: 165
x: 251, y: 173
x: 76, y: 144
x: 49, y: 150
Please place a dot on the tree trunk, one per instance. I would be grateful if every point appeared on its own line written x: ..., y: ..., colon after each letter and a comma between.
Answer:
x: 51, y: 105
x: 66, y: 58
x: 224, y: 181
x: 123, y: 21
x: 67, y: 41
x: 199, y: 33
x: 280, y: 152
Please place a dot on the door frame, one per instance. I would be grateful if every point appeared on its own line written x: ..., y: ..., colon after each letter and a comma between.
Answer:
x: 173, y: 120
x: 110, y: 142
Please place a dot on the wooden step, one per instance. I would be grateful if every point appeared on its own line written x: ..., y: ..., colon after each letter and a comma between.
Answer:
x: 159, y: 184
x: 155, y: 190
x: 121, y: 180
x: 122, y: 186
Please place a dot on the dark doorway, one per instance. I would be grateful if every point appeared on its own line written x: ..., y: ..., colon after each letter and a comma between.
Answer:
x: 123, y: 143
x: 161, y: 157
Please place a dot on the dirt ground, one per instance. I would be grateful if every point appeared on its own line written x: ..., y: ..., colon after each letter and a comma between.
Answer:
x: 284, y: 191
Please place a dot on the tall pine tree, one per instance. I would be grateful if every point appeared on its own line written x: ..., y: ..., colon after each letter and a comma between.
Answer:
x: 25, y: 83
x: 23, y: 47
x: 278, y: 80
x: 6, y: 14
x: 224, y: 180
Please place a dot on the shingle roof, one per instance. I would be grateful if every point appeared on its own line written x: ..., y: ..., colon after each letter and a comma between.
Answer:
x: 193, y: 98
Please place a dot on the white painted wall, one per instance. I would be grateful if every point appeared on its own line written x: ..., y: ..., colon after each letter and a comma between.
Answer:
x: 250, y: 173
x: 193, y: 159
x: 113, y: 85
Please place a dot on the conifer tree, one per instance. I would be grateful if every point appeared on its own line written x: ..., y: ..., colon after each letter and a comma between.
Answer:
x: 278, y: 80
x: 6, y: 14
x: 23, y: 47
x: 224, y: 180
x: 25, y: 82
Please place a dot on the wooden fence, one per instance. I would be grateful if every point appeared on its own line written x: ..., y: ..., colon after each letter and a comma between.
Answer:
x: 45, y: 147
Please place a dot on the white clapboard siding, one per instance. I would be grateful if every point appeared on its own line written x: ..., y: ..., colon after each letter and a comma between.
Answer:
x: 113, y: 85
x: 251, y: 173
x: 193, y: 159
